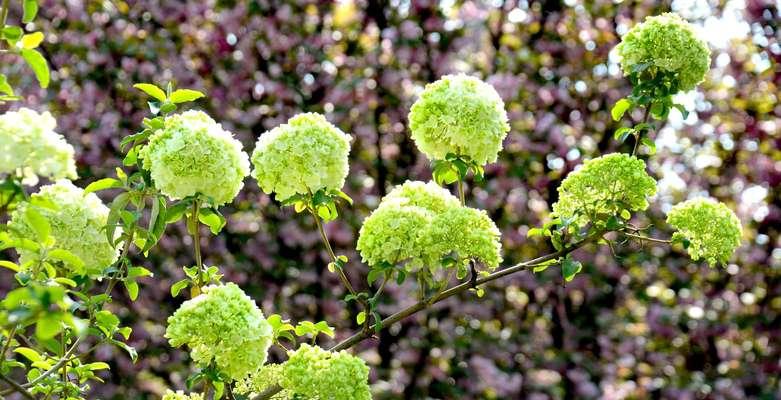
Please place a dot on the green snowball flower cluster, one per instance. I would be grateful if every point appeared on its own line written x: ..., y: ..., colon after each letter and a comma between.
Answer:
x: 29, y: 144
x: 466, y: 232
x: 179, y: 395
x: 304, y: 155
x: 222, y: 325
x: 315, y: 373
x: 462, y: 115
x: 76, y: 222
x: 421, y: 223
x: 266, y: 377
x: 604, y: 185
x: 669, y: 44
x: 192, y: 154
x: 711, y: 228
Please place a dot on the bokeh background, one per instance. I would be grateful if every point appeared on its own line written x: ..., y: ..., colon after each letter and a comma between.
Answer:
x: 641, y: 323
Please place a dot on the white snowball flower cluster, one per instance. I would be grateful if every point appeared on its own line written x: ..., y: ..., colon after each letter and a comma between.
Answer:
x: 29, y: 144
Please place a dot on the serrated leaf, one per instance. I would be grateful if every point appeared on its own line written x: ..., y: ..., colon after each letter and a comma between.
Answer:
x: 38, y: 64
x: 151, y: 90
x: 185, y: 95
x: 620, y: 108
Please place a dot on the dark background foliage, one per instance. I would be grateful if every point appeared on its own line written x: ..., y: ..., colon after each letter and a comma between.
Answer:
x: 640, y: 323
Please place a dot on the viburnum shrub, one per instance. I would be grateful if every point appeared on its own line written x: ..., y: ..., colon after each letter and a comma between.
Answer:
x: 74, y: 251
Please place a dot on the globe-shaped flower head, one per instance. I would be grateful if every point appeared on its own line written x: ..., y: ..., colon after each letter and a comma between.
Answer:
x: 712, y: 230
x: 192, y: 154
x: 29, y: 144
x: 462, y: 115
x: 419, y: 223
x: 314, y: 373
x: 668, y: 44
x: 222, y: 325
x: 304, y: 155
x: 76, y: 224
x: 605, y: 185
x: 180, y: 395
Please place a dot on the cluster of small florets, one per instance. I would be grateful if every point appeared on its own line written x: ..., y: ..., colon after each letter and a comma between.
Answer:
x: 77, y: 224
x: 180, y: 395
x: 315, y: 373
x: 269, y: 375
x: 420, y: 223
x: 711, y: 228
x: 304, y: 155
x: 462, y: 115
x: 605, y: 185
x: 192, y: 154
x: 29, y: 145
x: 222, y: 325
x: 669, y: 44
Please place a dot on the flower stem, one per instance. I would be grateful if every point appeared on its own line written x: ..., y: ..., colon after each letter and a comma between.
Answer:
x: 461, y: 191
x: 327, y: 243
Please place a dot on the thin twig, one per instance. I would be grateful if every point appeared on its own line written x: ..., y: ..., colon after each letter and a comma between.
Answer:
x: 17, y: 387
x: 327, y: 243
x: 646, y: 238
x: 423, y: 304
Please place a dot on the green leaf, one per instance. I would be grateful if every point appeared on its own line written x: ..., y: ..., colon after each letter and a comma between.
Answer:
x: 178, y: 286
x: 130, y: 350
x: 151, y: 90
x: 648, y: 142
x: 66, y: 281
x: 102, y: 184
x: 360, y: 318
x: 175, y: 213
x: 684, y: 112
x: 620, y: 108
x: 10, y: 265
x: 570, y: 268
x: 48, y: 326
x: 535, y: 232
x: 185, y: 95
x: 38, y: 64
x: 12, y: 33
x: 97, y: 366
x: 214, y: 220
x: 132, y: 289
x: 30, y: 10
x: 107, y: 321
x: 28, y: 353
x: 5, y: 87
x: 625, y: 214
x: 38, y: 223
x: 622, y: 133
x: 32, y: 40
x: 138, y: 272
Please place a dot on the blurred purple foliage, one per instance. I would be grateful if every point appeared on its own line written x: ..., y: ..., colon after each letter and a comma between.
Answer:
x: 643, y: 323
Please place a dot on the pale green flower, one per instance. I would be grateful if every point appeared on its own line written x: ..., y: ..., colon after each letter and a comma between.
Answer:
x: 462, y: 115
x: 77, y: 224
x: 222, y: 325
x: 466, y: 233
x: 392, y: 233
x: 420, y: 223
x: 427, y: 195
x: 711, y: 228
x: 315, y: 373
x: 266, y: 377
x: 180, y: 395
x: 192, y: 155
x: 604, y: 185
x: 29, y: 144
x: 668, y: 43
x: 304, y: 155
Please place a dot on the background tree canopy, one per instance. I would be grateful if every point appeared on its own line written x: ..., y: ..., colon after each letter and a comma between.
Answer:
x: 635, y: 324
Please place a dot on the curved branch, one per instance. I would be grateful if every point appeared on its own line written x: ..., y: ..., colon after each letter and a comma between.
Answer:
x: 423, y: 304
